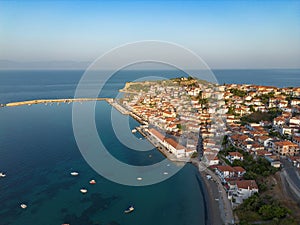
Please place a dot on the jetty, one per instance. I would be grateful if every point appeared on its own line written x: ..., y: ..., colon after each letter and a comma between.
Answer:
x: 50, y: 101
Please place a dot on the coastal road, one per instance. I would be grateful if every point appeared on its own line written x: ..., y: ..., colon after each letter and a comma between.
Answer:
x: 292, y: 177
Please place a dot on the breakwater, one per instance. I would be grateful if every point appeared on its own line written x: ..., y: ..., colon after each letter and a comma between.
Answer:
x: 49, y: 101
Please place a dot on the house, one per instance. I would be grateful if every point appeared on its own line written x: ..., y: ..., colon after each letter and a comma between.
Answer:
x: 285, y: 148
x: 265, y: 140
x: 279, y: 121
x: 224, y: 172
x: 285, y: 130
x: 234, y: 156
x: 295, y: 120
x: 241, y: 190
x: 262, y: 153
x: 212, y: 159
x: 239, y: 171
x: 296, y: 140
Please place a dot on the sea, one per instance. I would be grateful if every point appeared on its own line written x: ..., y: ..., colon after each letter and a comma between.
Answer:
x: 38, y: 151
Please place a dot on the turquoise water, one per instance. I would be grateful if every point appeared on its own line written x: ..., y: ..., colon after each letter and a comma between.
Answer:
x: 38, y: 151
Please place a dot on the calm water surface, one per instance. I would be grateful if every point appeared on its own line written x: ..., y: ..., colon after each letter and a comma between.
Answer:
x: 38, y: 151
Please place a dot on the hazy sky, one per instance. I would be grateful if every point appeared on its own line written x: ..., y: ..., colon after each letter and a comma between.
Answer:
x: 226, y: 34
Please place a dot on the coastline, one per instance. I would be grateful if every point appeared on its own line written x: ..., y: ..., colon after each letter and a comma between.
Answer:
x: 208, y: 188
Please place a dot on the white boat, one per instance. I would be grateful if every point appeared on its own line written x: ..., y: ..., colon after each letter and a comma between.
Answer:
x: 139, y: 178
x: 23, y: 206
x: 166, y: 173
x: 83, y: 190
x: 134, y: 131
x: 74, y: 173
x: 92, y: 182
x: 2, y: 175
x: 129, y: 209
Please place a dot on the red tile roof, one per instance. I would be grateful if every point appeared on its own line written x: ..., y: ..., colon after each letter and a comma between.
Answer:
x: 237, y: 154
x: 157, y: 134
x: 245, y: 184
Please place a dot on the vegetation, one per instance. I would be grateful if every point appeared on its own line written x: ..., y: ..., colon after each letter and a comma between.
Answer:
x: 203, y: 101
x: 138, y: 87
x: 238, y: 92
x: 181, y: 126
x: 231, y: 111
x: 194, y: 155
x: 258, y: 208
x: 255, y: 117
x: 266, y: 97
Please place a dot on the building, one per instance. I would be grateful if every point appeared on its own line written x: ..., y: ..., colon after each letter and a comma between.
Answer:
x: 176, y: 148
x: 234, y: 156
x: 241, y: 190
x: 285, y: 148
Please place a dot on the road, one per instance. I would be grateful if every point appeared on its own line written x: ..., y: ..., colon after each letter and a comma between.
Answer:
x: 292, y: 177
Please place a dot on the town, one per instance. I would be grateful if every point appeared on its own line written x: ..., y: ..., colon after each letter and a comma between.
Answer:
x: 243, y: 133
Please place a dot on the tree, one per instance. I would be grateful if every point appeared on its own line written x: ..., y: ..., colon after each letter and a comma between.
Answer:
x: 272, y: 211
x: 252, y: 108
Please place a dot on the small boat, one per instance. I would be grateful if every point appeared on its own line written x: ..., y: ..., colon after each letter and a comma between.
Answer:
x: 134, y: 131
x: 139, y: 178
x: 92, y: 182
x: 74, y: 173
x: 129, y: 209
x: 23, y: 206
x: 83, y: 190
x: 2, y: 175
x: 166, y: 173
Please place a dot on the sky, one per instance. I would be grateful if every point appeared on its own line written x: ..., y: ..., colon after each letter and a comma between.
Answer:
x: 225, y: 34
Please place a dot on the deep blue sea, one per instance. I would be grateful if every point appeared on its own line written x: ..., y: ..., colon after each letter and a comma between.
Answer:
x: 38, y: 151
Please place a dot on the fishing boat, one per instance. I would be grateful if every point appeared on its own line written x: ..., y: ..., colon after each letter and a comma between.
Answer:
x: 129, y: 209
x: 74, y: 173
x: 23, y: 206
x: 92, y: 182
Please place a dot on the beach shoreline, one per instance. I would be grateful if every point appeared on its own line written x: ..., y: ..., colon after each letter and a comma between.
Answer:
x: 210, y: 189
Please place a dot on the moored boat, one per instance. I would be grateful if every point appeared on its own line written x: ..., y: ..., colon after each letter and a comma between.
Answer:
x: 129, y: 209
x: 23, y: 206
x: 83, y: 190
x: 92, y: 182
x: 74, y: 173
x: 2, y: 175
